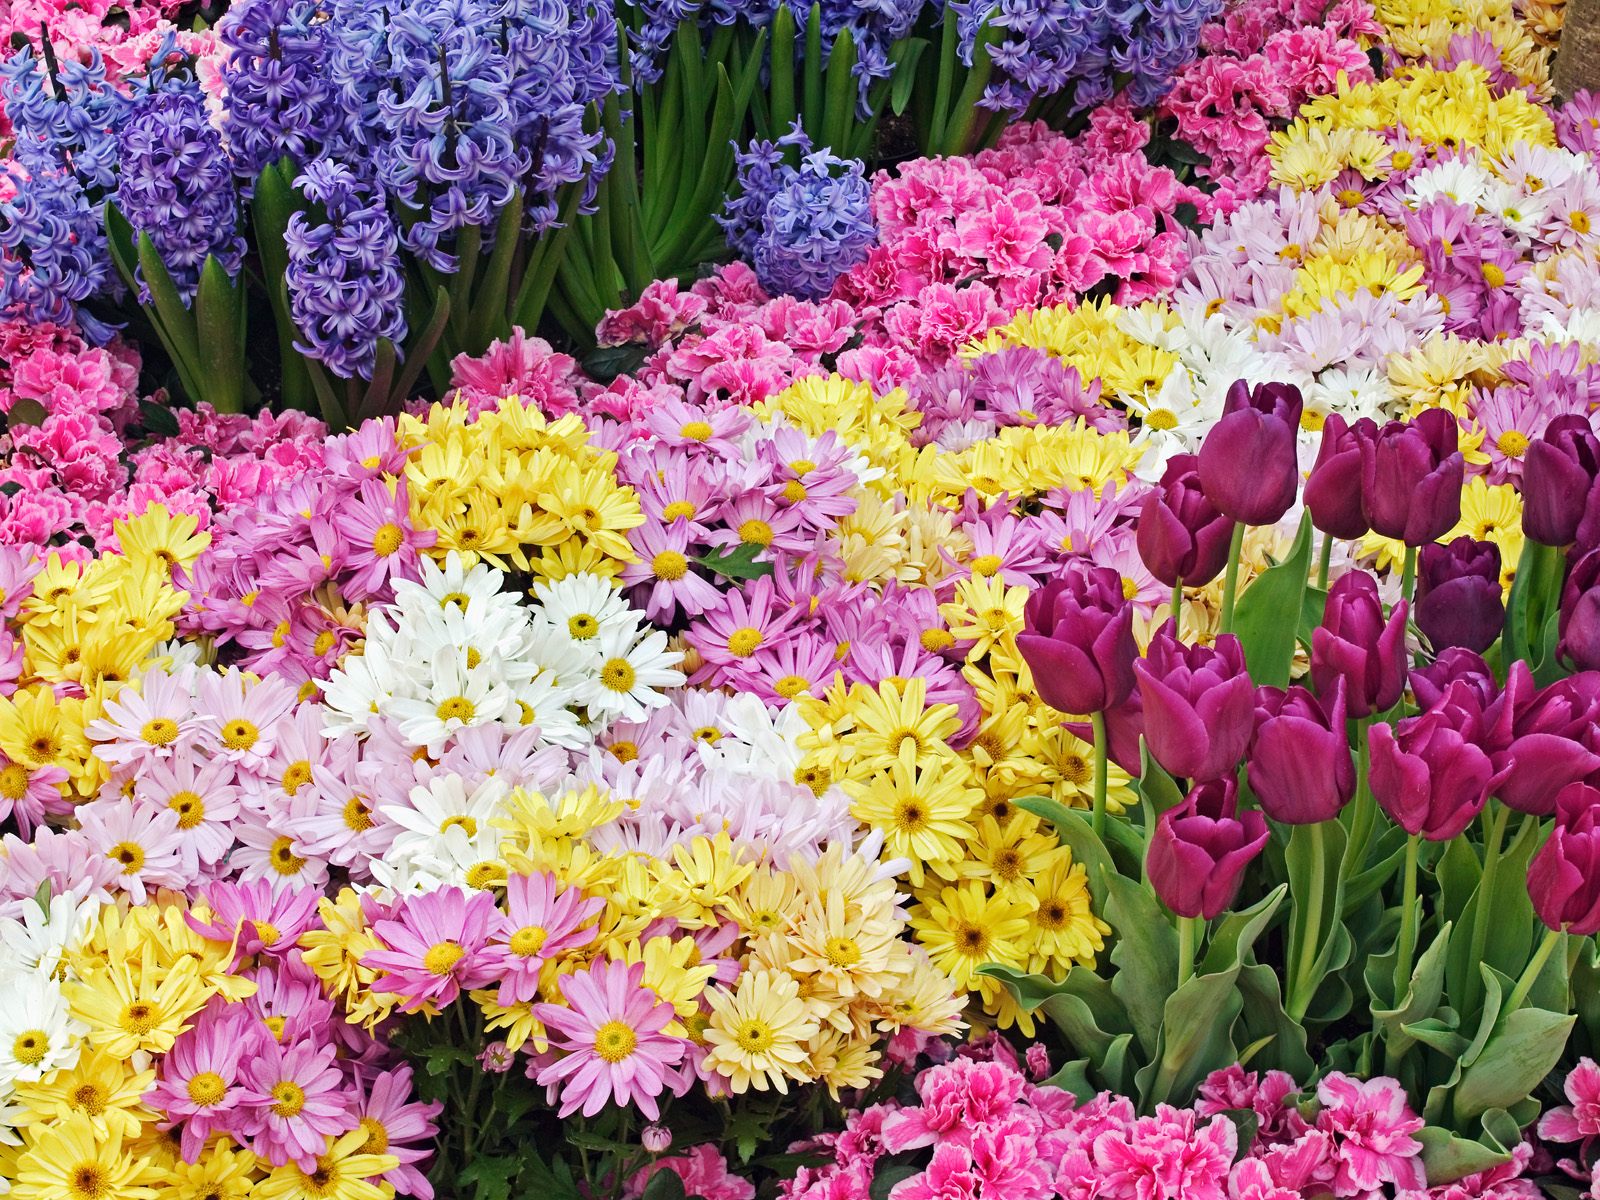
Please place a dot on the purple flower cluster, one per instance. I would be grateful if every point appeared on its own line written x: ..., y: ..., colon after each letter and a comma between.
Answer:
x: 800, y: 227
x: 175, y: 184
x: 346, y: 289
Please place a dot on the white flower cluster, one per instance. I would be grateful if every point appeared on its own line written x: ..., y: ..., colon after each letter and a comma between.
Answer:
x: 455, y: 652
x: 38, y: 1034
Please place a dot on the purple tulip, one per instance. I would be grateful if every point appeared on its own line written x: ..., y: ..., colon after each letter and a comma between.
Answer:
x: 1181, y: 534
x: 1453, y: 665
x: 1300, y: 767
x: 1579, y: 625
x: 1558, y: 474
x: 1549, y: 744
x: 1248, y: 464
x: 1564, y: 876
x: 1333, y: 489
x: 1354, y: 643
x: 1200, y: 849
x: 1078, y: 640
x: 1428, y: 773
x: 1411, y: 475
x: 1199, y: 704
x: 1459, y: 599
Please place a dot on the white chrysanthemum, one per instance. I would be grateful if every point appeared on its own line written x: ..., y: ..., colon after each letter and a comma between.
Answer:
x: 456, y: 697
x: 37, y: 1033
x: 1458, y: 180
x: 629, y: 675
x: 453, y: 584
x: 581, y: 607
x: 544, y: 704
x: 442, y: 804
x: 42, y: 936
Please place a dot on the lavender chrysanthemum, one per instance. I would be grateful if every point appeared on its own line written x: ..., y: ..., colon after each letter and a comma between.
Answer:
x: 176, y: 184
x: 800, y: 227
x: 345, y: 285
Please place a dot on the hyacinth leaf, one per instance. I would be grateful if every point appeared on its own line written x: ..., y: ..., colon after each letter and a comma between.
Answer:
x: 964, y: 114
x: 219, y: 316
x: 274, y: 202
x: 488, y: 318
x: 421, y: 349
x: 1525, y: 1047
x: 811, y: 75
x: 839, y: 105
x: 1267, y: 638
x: 172, y: 319
x: 905, y: 58
x: 944, y: 77
x: 381, y: 386
x: 548, y: 255
x: 780, y: 89
x: 685, y: 226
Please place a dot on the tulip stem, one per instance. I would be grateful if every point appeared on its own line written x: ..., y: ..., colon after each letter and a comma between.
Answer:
x: 1530, y: 975
x: 1187, y: 928
x: 1304, y: 984
x: 1493, y: 838
x: 1177, y: 607
x: 1408, y: 574
x: 1324, y: 562
x: 1408, y: 926
x: 1101, y: 769
x: 1230, y: 582
x: 1363, y: 811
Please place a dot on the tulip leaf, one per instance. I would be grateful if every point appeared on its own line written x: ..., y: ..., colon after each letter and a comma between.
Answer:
x: 1234, y: 934
x: 1586, y: 987
x: 1267, y: 618
x: 1155, y: 785
x: 1316, y: 884
x: 1196, y: 1038
x: 1074, y: 1077
x: 1447, y: 1157
x: 1524, y: 1048
x: 1422, y: 998
x: 1438, y: 1035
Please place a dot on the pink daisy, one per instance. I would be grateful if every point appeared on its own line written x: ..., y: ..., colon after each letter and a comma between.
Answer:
x: 306, y: 1090
x: 543, y: 919
x: 201, y: 1085
x: 382, y: 543
x: 30, y: 794
x: 436, y: 947
x: 264, y: 921
x: 153, y: 721
x: 201, y: 794
x: 395, y: 1124
x: 243, y: 714
x: 614, y: 1049
x: 142, y: 841
x: 664, y: 578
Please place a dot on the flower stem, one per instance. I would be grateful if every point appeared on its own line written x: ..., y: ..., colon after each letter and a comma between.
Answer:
x: 1324, y: 562
x: 1493, y: 838
x: 1364, y: 813
x: 1408, y: 927
x: 1177, y: 607
x: 1230, y: 582
x: 1101, y: 769
x: 1408, y: 574
x: 1188, y: 927
x: 1303, y: 985
x: 1530, y: 975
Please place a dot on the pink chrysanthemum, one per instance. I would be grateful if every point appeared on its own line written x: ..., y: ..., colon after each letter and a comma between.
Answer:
x: 395, y: 1124
x: 437, y: 945
x: 201, y: 1083
x: 543, y: 919
x: 306, y: 1091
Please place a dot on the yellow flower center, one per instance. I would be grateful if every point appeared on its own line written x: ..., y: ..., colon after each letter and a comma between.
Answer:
x: 842, y: 951
x: 1401, y: 159
x: 755, y: 1037
x: 129, y: 854
x: 377, y: 1136
x: 910, y: 816
x: 357, y: 816
x: 1160, y: 418
x: 755, y: 532
x: 89, y: 1098
x: 794, y: 491
x: 1493, y: 275
x: 267, y: 933
x: 459, y: 599
x: 791, y: 686
x: 802, y: 467
x: 1214, y: 305
x: 467, y: 824
x: 618, y: 675
x: 1512, y: 443
x: 481, y: 876
x: 678, y: 508
x: 13, y: 781
x: 624, y: 751
x: 283, y: 858
x: 1130, y: 589
x: 986, y: 565
x: 387, y: 540
x: 456, y: 708
x: 88, y: 1181
x: 30, y: 1047
x: 972, y: 940
x: 529, y: 940
x: 614, y: 1041
x: 239, y: 734
x: 207, y: 1088
x: 669, y: 565
x: 697, y: 431
x: 139, y: 1018
x: 162, y: 731
x: 709, y: 734
x: 1349, y: 197
x: 296, y: 776
x: 275, y: 1026
x: 583, y: 626
x: 742, y: 643
x: 442, y: 957
x: 1075, y: 769
x: 1579, y: 221
x: 290, y: 1098
x: 190, y: 808
x: 1052, y: 914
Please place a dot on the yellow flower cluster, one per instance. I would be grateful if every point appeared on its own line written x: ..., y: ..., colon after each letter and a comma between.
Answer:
x: 87, y: 628
x: 518, y: 491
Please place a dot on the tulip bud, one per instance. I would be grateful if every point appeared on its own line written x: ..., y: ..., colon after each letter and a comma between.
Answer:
x: 1200, y: 849
x: 1078, y: 640
x: 1558, y: 473
x: 1248, y: 462
x: 1333, y: 489
x: 1199, y: 704
x: 1428, y: 774
x: 1181, y: 535
x: 1564, y: 876
x: 656, y: 1138
x: 1411, y: 475
x: 1579, y: 624
x: 1459, y: 599
x: 1300, y: 765
x: 1356, y: 644
x: 1453, y: 665
x: 1549, y: 746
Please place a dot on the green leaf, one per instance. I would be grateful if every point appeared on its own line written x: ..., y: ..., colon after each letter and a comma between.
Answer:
x: 1268, y: 639
x: 26, y: 412
x: 1423, y: 995
x: 1264, y: 1017
x: 158, y: 418
x: 605, y: 363
x: 1446, y: 1157
x: 1074, y: 1077
x: 738, y: 563
x: 1316, y: 918
x: 891, y: 1171
x: 1196, y: 1038
x: 905, y: 57
x: 1524, y: 1048
x: 42, y: 896
x: 1155, y: 785
x: 665, y: 1184
x: 490, y: 1176
x: 1234, y: 934
x: 219, y: 329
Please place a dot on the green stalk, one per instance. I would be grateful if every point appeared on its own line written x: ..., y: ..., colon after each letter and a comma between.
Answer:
x: 1101, y: 769
x: 1324, y: 562
x: 1364, y: 811
x: 1408, y: 574
x: 1177, y: 604
x: 964, y: 115
x: 1530, y: 976
x: 839, y: 107
x: 1303, y: 984
x: 812, y: 69
x: 1493, y: 839
x: 1188, y: 927
x: 1408, y: 928
x: 1230, y: 581
x: 944, y: 85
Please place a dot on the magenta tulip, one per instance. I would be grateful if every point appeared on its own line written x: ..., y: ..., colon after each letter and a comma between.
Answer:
x: 1411, y: 475
x: 1300, y: 766
x: 1357, y: 644
x: 1564, y: 876
x: 1248, y: 463
x: 1200, y: 849
x: 1181, y: 535
x: 1199, y: 704
x: 1078, y: 640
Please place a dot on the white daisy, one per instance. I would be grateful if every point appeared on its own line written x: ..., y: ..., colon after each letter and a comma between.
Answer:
x: 436, y: 807
x: 630, y: 672
x: 41, y: 935
x: 544, y: 704
x: 581, y: 607
x: 37, y: 1033
x: 455, y: 697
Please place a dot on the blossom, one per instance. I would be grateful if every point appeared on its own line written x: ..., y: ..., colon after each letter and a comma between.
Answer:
x: 435, y: 946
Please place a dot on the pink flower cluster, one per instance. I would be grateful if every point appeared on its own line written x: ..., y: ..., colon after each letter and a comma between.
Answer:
x: 982, y: 1129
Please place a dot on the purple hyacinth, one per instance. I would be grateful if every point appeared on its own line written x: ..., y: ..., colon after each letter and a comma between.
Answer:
x: 176, y: 184
x: 800, y: 227
x: 281, y: 98
x: 65, y: 118
x: 346, y: 289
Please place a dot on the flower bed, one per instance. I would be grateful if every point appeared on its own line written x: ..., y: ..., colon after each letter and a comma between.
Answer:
x: 1029, y: 626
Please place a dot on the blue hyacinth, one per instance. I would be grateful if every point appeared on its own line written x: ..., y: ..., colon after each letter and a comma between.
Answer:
x: 800, y: 227
x: 346, y: 288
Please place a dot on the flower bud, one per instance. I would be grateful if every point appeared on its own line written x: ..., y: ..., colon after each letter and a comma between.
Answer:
x: 1300, y: 766
x: 1181, y: 535
x: 1201, y: 848
x: 1078, y: 640
x: 1459, y: 599
x: 1411, y: 475
x: 1249, y: 465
